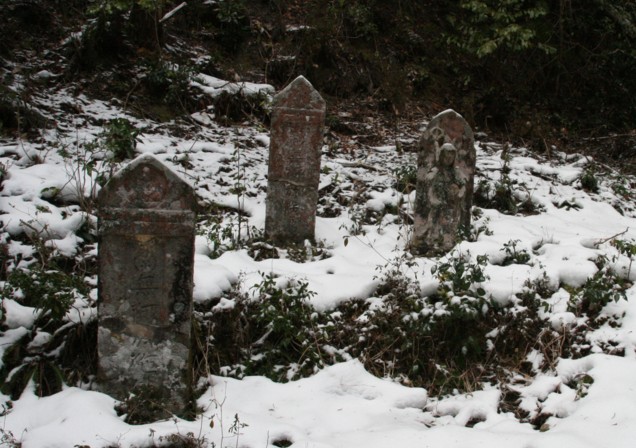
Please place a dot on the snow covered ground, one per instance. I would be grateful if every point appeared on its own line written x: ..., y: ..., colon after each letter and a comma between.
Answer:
x: 591, y: 401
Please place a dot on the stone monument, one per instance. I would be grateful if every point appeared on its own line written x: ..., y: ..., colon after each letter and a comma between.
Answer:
x: 445, y: 178
x: 146, y: 258
x: 298, y: 117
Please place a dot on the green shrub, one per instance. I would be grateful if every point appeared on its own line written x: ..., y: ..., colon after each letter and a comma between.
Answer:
x: 230, y: 12
x: 588, y: 180
x: 289, y: 335
x: 436, y: 341
x: 277, y: 334
x: 69, y: 352
x: 483, y: 27
x: 100, y: 44
x: 142, y: 24
x: 50, y: 291
x: 43, y: 371
x: 356, y: 18
x: 477, y: 227
x: 498, y: 195
x: 233, y: 24
x: 603, y: 287
x: 219, y: 235
x: 514, y: 255
x: 120, y: 138
x: 455, y: 339
x: 458, y: 276
x: 405, y: 178
x: 170, y: 84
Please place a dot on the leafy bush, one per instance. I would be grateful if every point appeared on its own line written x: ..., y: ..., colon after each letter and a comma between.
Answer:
x: 498, y: 195
x: 284, y: 315
x: 114, y: 6
x: 434, y: 341
x: 69, y: 353
x: 405, y: 178
x: 170, y: 83
x: 101, y: 43
x: 478, y: 227
x: 91, y: 163
x: 454, y: 339
x: 514, y: 255
x: 145, y: 404
x: 589, y: 182
x: 603, y: 287
x: 43, y: 371
x: 483, y: 27
x: 277, y: 334
x: 230, y: 12
x: 120, y: 139
x: 233, y: 24
x: 622, y: 186
x: 142, y: 26
x: 220, y: 236
x: 50, y: 291
x: 356, y: 18
x: 458, y: 276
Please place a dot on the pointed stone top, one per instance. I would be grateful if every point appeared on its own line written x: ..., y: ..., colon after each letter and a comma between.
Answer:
x: 299, y: 94
x: 449, y: 112
x: 453, y: 124
x: 146, y: 183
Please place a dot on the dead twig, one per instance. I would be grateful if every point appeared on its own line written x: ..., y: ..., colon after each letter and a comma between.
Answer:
x: 603, y: 241
x: 358, y: 165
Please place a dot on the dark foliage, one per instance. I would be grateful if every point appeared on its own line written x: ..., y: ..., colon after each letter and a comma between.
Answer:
x: 544, y: 71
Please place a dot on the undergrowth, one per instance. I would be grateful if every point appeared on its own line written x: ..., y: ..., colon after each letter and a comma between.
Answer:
x: 452, y: 340
x: 506, y: 194
x: 602, y: 288
x: 275, y: 333
x: 59, y: 341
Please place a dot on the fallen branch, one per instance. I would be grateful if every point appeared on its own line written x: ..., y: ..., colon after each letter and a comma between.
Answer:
x: 599, y: 242
x: 172, y: 12
x: 357, y: 165
x: 609, y: 137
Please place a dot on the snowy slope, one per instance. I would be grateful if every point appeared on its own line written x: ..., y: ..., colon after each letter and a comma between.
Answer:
x: 587, y: 402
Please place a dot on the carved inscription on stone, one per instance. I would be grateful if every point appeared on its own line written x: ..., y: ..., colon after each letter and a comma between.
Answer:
x: 295, y: 157
x: 294, y: 163
x: 445, y: 178
x: 146, y: 257
x: 146, y: 298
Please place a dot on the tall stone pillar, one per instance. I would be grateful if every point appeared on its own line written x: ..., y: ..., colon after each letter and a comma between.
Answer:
x: 298, y: 117
x: 146, y: 259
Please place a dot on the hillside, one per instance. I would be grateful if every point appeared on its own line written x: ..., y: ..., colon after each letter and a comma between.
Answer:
x: 398, y: 63
x: 521, y: 336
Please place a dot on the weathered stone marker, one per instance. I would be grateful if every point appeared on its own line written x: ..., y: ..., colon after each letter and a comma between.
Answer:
x: 146, y: 258
x: 445, y: 183
x: 298, y: 117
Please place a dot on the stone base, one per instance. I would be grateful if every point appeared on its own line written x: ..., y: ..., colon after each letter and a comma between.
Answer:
x: 291, y: 213
x: 158, y: 370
